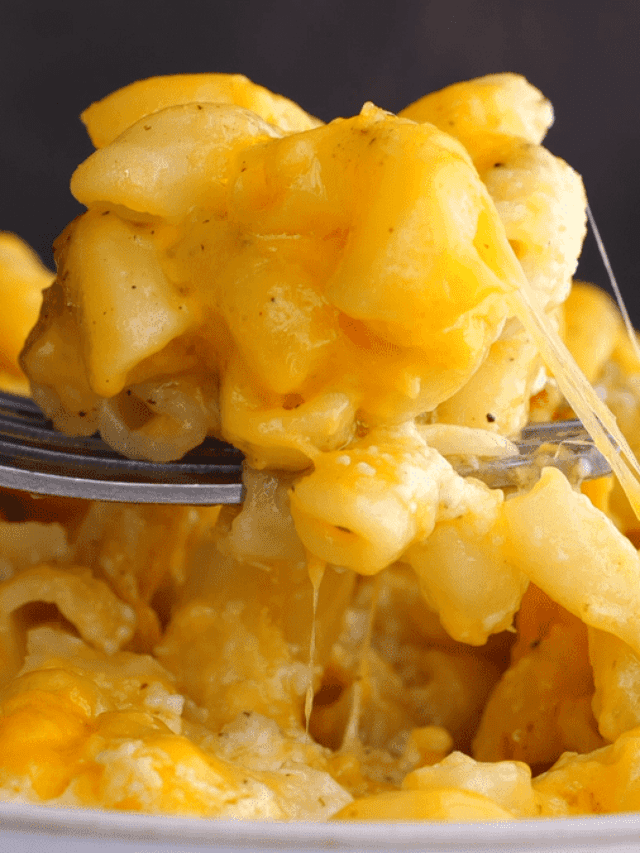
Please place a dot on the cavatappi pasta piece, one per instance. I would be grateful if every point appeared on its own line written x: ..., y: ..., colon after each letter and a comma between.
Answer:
x: 467, y: 575
x: 262, y: 532
x: 497, y: 397
x: 393, y: 488
x: 501, y: 119
x: 541, y: 202
x: 442, y: 804
x: 22, y: 280
x: 108, y: 118
x: 284, y: 433
x: 575, y: 554
x: 616, y: 674
x: 541, y: 706
x: 180, y: 158
x: 507, y: 783
x: 318, y: 248
x: 496, y: 103
x: 86, y: 602
x: 130, y: 312
x: 601, y: 782
x: 588, y: 308
x: 71, y: 403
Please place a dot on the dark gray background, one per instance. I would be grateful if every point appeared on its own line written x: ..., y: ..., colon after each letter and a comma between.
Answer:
x: 330, y: 56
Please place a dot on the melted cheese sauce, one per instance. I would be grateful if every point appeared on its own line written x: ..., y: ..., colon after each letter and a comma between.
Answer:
x: 369, y: 635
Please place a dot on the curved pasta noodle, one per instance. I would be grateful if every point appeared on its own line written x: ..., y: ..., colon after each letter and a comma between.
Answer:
x: 616, y: 673
x: 87, y: 603
x: 107, y: 119
x: 159, y: 420
x: 495, y: 103
x: 576, y: 555
x: 497, y: 397
x: 467, y: 575
x: 179, y: 158
x: 439, y: 803
x: 22, y: 280
x: 508, y: 783
x: 391, y: 486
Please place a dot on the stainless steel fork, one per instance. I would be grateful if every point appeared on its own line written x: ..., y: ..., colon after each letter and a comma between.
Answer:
x: 34, y: 457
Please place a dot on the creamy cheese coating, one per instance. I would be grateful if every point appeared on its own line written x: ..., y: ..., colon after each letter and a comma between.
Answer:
x: 22, y: 278
x: 352, y: 304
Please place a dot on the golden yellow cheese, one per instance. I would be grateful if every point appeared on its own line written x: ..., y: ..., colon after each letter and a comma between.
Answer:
x: 23, y: 277
x: 369, y: 635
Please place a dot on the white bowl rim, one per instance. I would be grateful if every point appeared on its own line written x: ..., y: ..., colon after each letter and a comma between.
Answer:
x: 579, y: 833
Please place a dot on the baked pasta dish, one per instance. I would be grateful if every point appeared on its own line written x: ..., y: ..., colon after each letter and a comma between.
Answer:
x: 354, y: 305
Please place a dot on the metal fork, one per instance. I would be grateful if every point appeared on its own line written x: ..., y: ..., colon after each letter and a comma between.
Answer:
x: 34, y: 457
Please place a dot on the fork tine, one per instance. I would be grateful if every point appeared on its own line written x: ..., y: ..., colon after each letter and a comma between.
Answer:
x: 127, y: 491
x: 565, y: 445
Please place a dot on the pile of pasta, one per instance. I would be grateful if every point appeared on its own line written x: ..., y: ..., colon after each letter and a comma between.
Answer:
x: 354, y: 305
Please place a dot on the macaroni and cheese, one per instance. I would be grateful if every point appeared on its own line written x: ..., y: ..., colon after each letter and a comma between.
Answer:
x: 353, y: 304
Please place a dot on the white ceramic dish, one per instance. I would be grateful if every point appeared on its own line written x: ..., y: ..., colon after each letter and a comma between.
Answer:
x: 27, y: 829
